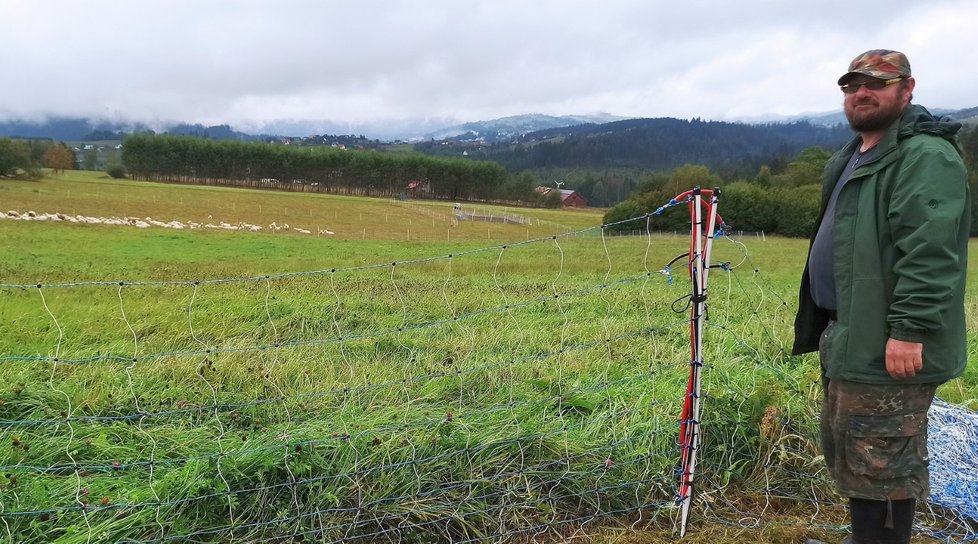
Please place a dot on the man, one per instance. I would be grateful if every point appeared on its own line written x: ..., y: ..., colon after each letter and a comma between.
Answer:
x: 882, y: 295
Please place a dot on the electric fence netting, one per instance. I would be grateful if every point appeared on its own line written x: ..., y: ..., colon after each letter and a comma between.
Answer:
x: 533, y: 391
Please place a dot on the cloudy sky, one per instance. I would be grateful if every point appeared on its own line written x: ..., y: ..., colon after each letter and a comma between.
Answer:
x: 365, y: 62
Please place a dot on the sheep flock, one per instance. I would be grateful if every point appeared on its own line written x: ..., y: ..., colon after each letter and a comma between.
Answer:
x: 147, y: 222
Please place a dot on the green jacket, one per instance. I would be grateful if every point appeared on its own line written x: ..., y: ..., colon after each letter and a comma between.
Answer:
x: 900, y: 250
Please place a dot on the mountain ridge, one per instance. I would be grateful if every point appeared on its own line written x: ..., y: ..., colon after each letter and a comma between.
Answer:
x: 502, y: 129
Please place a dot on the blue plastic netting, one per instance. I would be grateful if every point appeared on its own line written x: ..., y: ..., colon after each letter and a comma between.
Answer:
x: 952, y: 442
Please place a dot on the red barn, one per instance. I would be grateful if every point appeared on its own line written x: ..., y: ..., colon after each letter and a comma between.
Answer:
x: 569, y: 198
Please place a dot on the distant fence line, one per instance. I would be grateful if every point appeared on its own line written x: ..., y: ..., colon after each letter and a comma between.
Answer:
x: 492, y: 218
x: 328, y: 189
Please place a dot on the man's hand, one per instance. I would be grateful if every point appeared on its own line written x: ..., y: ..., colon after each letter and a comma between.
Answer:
x: 903, y: 359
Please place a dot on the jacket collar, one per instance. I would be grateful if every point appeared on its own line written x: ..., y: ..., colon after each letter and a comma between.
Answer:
x: 914, y: 120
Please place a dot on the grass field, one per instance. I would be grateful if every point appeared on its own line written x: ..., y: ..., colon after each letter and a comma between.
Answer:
x: 350, y: 218
x: 403, y: 379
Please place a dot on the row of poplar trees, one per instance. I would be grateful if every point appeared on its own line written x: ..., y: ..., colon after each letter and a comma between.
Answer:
x: 179, y: 159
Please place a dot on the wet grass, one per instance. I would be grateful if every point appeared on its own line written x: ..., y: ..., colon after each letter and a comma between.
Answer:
x: 380, y: 389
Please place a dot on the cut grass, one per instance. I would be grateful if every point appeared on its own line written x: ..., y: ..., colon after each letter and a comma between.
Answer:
x: 93, y: 194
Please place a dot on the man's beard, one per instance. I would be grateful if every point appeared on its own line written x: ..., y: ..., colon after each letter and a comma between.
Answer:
x: 877, y: 119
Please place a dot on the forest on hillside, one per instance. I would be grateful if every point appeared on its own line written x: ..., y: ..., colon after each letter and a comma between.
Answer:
x: 733, y: 150
x: 785, y: 201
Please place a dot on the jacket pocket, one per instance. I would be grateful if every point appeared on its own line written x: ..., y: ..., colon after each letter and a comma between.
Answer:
x: 885, y: 447
x: 832, y: 350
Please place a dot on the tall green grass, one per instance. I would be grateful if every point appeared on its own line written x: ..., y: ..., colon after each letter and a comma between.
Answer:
x: 392, y: 390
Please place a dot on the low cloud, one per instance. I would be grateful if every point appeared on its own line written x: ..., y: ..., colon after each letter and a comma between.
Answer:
x: 251, y: 63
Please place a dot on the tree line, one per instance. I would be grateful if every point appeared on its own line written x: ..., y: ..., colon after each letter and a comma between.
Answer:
x: 317, y: 169
x: 785, y: 202
x: 24, y: 158
x: 731, y: 149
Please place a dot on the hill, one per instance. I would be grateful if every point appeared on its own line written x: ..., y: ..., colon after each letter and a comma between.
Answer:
x: 838, y: 117
x: 82, y: 129
x: 65, y: 129
x: 649, y: 144
x: 505, y: 129
x: 510, y: 128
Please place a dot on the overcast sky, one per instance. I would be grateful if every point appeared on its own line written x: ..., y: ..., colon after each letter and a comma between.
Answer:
x: 249, y: 62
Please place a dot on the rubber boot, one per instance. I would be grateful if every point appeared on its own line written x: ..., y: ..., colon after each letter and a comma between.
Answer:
x: 882, y: 522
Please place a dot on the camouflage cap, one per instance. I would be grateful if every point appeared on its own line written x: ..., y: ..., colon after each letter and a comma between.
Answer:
x: 878, y: 63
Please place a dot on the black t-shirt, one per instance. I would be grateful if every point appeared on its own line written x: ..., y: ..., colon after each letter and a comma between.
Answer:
x: 821, y: 261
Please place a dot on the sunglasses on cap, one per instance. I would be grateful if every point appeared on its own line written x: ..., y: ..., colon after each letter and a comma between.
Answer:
x: 872, y: 84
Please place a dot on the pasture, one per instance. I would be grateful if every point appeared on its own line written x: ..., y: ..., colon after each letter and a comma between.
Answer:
x: 406, y: 378
x: 349, y: 218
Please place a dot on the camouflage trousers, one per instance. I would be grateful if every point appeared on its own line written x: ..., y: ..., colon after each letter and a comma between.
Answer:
x: 874, y: 437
